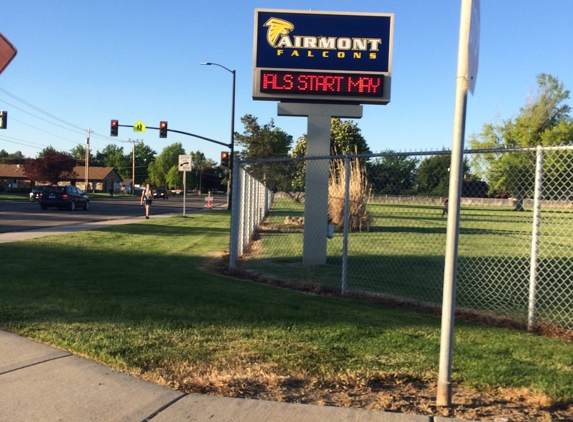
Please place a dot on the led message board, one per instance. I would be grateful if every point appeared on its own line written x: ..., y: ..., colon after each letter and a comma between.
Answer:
x: 326, y: 57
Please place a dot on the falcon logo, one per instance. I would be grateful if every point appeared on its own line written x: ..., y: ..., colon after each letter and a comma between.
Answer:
x: 277, y: 28
x: 279, y: 37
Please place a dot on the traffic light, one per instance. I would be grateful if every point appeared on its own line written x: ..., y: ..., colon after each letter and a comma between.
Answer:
x: 163, y: 129
x: 3, y: 119
x: 224, y: 159
x: 114, y: 128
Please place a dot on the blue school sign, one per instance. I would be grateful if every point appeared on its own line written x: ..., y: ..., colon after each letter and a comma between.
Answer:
x: 322, y: 56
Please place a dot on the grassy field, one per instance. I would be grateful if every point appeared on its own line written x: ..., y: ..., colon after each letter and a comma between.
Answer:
x: 136, y: 297
x: 403, y: 255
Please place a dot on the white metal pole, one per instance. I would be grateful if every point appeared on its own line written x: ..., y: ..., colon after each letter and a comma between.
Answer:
x: 444, y: 390
x: 345, y: 228
x: 184, y: 189
x: 533, y: 266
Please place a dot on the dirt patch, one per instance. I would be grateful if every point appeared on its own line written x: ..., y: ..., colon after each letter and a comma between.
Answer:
x: 390, y: 394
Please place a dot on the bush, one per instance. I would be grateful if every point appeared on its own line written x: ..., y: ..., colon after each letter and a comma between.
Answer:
x: 360, y: 193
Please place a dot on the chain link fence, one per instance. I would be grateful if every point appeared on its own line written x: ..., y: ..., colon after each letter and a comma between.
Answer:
x: 388, y: 218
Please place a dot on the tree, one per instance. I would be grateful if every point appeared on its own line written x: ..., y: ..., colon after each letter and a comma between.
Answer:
x: 78, y: 153
x: 168, y: 158
x: 434, y: 175
x: 265, y: 141
x: 144, y: 155
x: 345, y: 137
x: 8, y: 158
x: 393, y: 174
x: 200, y: 163
x: 544, y: 120
x: 174, y: 177
x: 113, y: 156
x: 262, y: 141
x: 50, y: 166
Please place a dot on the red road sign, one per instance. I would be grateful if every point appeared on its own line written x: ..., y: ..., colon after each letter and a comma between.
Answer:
x: 7, y: 52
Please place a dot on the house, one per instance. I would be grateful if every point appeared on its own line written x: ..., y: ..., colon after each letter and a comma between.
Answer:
x: 10, y: 175
x: 101, y: 179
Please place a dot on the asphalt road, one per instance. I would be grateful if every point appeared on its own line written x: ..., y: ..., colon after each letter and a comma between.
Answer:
x: 20, y: 215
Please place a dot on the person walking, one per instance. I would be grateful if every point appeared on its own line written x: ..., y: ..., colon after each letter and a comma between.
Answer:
x: 445, y: 209
x: 147, y: 196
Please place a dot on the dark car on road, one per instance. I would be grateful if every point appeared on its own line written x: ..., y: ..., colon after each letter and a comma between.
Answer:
x: 35, y: 192
x: 161, y: 193
x: 60, y: 197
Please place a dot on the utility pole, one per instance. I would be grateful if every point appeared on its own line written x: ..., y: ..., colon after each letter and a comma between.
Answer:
x: 87, y: 163
x: 134, y: 141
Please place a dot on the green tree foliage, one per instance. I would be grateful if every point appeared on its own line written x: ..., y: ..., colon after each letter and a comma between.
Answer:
x: 434, y: 174
x: 49, y: 166
x: 114, y: 156
x: 169, y: 158
x: 544, y: 120
x: 266, y: 141
x: 200, y: 163
x: 174, y: 177
x: 79, y: 154
x: 345, y: 137
x: 14, y: 158
x: 393, y: 174
x: 144, y: 155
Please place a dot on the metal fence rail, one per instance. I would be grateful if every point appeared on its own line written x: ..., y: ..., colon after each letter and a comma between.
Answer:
x: 515, y: 256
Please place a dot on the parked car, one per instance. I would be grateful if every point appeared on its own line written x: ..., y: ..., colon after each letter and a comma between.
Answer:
x: 35, y: 192
x: 161, y: 193
x: 60, y: 197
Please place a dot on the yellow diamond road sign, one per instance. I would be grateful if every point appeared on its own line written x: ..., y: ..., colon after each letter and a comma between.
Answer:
x: 139, y: 127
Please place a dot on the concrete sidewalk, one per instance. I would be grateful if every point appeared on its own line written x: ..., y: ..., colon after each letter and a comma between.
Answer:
x: 42, y: 383
x: 55, y: 230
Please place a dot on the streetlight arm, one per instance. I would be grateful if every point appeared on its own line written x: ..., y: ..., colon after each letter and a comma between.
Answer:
x: 232, y: 144
x: 216, y: 64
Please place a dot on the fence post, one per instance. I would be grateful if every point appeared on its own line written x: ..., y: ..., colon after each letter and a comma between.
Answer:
x: 345, y: 228
x: 235, y: 219
x: 533, y: 266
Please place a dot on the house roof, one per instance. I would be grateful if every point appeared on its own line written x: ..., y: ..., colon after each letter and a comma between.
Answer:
x: 16, y: 171
x: 94, y: 173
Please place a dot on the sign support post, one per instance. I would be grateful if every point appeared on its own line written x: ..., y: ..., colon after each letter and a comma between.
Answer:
x: 185, y: 164
x: 444, y: 388
x: 317, y: 171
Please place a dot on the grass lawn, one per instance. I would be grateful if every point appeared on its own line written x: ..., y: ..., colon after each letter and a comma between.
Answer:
x: 403, y: 255
x: 136, y: 298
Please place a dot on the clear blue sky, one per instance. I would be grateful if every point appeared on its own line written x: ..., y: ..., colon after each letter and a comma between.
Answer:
x: 86, y: 62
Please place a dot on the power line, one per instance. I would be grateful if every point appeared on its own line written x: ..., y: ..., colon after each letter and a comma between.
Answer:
x: 38, y: 117
x: 41, y: 130
x: 22, y: 143
x: 40, y: 110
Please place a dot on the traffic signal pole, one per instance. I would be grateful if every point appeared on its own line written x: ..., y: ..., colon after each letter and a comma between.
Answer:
x: 183, y: 133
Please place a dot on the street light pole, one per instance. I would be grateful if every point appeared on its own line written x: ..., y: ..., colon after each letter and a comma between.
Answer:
x: 232, y: 143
